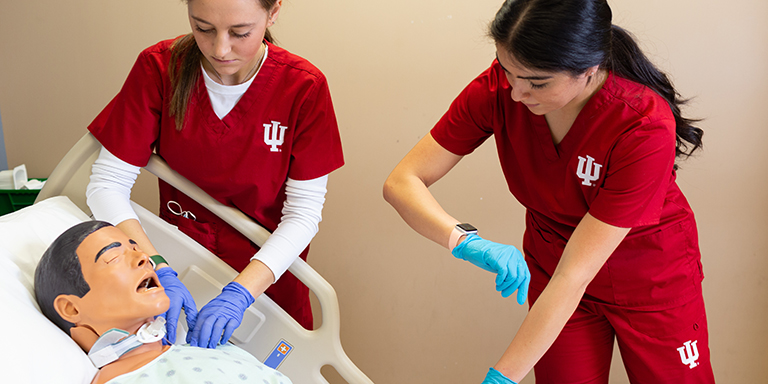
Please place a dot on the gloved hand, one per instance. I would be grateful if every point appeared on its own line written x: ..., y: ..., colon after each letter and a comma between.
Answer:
x: 496, y: 377
x: 180, y: 299
x: 504, y: 260
x: 223, y: 313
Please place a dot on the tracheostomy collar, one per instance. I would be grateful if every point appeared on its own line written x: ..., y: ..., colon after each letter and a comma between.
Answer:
x: 116, y: 342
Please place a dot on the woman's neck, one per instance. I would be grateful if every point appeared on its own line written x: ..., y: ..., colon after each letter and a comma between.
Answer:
x: 594, y: 84
x: 561, y: 120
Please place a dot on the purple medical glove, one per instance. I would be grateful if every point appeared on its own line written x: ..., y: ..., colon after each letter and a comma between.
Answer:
x: 180, y: 299
x: 223, y: 314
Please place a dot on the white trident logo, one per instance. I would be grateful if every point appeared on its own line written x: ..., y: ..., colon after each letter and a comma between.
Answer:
x: 276, y: 137
x: 586, y: 172
x: 689, y: 353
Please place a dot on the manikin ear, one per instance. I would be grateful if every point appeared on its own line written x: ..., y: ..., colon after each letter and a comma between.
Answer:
x: 67, y: 307
x: 274, y: 12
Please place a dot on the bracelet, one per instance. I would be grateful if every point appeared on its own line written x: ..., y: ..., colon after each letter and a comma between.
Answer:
x: 157, y: 259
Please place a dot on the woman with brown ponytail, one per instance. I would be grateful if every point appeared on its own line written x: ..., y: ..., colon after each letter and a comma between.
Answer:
x: 587, y: 130
x: 248, y: 122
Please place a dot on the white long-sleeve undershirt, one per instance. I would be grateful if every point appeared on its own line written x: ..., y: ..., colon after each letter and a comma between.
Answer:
x: 109, y: 191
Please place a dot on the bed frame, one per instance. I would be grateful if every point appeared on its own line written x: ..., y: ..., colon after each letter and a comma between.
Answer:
x: 267, y: 331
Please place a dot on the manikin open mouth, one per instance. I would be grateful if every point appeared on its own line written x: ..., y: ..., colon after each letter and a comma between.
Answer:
x: 147, y: 284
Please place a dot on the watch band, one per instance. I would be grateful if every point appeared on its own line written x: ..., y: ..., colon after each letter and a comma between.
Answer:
x: 459, y: 230
x: 454, y: 238
x: 157, y: 259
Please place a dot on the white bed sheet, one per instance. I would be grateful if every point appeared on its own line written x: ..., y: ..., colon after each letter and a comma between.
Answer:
x: 34, y: 350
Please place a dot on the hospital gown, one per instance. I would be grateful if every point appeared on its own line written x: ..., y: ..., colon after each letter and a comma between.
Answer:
x: 186, y: 364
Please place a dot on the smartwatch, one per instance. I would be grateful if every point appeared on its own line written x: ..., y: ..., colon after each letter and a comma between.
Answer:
x: 460, y: 230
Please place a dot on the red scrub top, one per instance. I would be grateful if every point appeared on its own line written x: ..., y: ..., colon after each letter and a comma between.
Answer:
x: 616, y: 163
x: 283, y: 126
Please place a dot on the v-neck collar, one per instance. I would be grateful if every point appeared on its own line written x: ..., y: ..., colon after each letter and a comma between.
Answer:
x: 554, y: 152
x: 255, y: 92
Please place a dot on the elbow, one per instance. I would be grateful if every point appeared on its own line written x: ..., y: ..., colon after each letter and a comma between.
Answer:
x: 401, y: 187
x: 389, y: 191
x: 389, y: 194
x: 396, y: 188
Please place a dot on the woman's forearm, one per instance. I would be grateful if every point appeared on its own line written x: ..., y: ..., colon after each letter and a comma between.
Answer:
x: 407, y: 189
x: 419, y: 209
x: 256, y: 278
x: 133, y: 229
x: 302, y: 213
x: 540, y: 328
x: 590, y: 246
x: 109, y: 191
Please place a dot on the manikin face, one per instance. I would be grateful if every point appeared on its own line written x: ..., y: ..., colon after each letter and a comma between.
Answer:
x: 229, y: 33
x: 543, y: 92
x: 125, y: 291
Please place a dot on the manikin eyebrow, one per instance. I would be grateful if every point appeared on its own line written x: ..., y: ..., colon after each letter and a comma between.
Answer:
x: 116, y: 244
x: 243, y: 25
x: 107, y: 248
x: 523, y: 77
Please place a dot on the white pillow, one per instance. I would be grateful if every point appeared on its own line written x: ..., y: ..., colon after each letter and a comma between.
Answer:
x: 34, y: 349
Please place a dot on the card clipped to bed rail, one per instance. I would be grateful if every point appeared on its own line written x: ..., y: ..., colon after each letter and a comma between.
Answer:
x: 278, y: 354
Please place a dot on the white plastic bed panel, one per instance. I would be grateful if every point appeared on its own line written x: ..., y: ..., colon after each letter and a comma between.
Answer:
x: 266, y: 327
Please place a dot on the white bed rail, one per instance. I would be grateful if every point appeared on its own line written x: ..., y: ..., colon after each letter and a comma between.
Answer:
x: 70, y: 178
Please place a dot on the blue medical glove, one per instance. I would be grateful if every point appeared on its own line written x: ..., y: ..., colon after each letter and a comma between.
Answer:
x: 504, y: 260
x: 496, y: 377
x: 180, y: 299
x: 222, y: 314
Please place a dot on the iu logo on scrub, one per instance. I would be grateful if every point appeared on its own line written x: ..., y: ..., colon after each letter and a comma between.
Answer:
x: 274, y: 134
x: 689, y: 353
x: 588, y: 171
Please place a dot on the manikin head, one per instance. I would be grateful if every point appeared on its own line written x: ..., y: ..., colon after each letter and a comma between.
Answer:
x: 94, y: 278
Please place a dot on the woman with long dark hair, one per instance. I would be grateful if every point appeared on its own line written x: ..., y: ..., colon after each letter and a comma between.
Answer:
x: 587, y: 131
x: 249, y: 123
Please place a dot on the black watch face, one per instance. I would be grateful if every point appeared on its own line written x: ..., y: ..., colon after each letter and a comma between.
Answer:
x: 466, y: 227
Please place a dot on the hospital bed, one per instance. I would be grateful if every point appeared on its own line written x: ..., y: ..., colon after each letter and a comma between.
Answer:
x: 267, y: 331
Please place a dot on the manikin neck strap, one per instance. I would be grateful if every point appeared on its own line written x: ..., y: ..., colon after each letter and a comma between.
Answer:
x: 116, y: 342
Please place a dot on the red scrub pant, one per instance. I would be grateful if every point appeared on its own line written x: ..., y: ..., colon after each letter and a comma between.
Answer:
x: 236, y: 250
x: 668, y: 346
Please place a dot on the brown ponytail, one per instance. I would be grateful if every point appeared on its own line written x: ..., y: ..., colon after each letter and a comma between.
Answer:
x: 184, y: 71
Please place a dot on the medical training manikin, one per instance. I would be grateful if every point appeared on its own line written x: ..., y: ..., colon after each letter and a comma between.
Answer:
x: 95, y: 283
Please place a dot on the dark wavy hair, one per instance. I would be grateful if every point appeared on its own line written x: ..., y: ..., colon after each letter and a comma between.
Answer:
x: 574, y: 35
x: 184, y: 69
x: 60, y: 273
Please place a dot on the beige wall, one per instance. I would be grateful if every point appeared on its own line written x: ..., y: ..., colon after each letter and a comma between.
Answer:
x: 410, y: 311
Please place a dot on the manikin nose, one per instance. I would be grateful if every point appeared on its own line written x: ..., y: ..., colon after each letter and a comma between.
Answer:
x: 141, y: 259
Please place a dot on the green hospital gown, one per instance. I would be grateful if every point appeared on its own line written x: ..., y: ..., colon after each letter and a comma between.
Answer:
x: 184, y: 364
